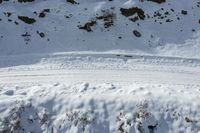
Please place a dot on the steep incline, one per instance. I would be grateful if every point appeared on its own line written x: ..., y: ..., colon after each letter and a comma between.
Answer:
x: 138, y: 26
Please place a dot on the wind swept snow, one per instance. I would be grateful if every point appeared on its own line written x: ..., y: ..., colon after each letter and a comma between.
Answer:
x: 88, y: 93
x: 99, y: 66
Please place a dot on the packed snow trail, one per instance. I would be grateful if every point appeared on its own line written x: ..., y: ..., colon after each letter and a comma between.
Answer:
x: 98, y: 68
x: 50, y: 76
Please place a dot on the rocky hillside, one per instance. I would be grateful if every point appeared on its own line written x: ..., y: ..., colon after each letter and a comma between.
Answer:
x: 158, y: 27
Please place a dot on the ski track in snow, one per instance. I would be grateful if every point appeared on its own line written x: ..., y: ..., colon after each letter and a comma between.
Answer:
x: 50, y: 76
x: 102, y: 68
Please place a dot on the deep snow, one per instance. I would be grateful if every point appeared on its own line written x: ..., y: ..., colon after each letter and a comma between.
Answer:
x: 87, y: 67
x: 88, y: 93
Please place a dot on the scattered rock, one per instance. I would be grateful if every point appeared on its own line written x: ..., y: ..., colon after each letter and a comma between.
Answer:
x: 152, y: 128
x: 169, y: 20
x: 132, y: 11
x: 16, y: 23
x: 188, y: 120
x: 88, y: 26
x: 7, y: 14
x: 9, y: 20
x: 158, y: 1
x: 137, y: 33
x: 24, y: 1
x: 43, y: 13
x: 26, y: 19
x: 26, y: 37
x: 72, y: 1
x: 108, y: 18
x: 134, y: 19
x: 41, y: 34
x: 184, y: 12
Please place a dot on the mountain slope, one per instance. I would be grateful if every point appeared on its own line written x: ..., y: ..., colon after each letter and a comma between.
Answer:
x: 148, y: 27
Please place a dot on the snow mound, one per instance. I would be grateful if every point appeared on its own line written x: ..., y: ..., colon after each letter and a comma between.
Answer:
x: 97, y: 108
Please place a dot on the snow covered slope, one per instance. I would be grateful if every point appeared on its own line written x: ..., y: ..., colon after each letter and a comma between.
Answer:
x: 99, y: 66
x: 78, y: 94
x: 138, y: 26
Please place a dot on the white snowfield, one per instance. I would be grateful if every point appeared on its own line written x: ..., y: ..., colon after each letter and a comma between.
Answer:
x: 99, y: 66
x: 87, y: 92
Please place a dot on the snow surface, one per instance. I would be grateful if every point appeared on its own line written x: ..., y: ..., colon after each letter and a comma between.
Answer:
x: 58, y: 78
x: 179, y: 37
x: 89, y: 93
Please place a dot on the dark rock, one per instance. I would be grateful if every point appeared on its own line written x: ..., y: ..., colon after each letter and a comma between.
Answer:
x: 158, y: 1
x: 24, y: 1
x: 137, y: 33
x: 26, y: 19
x: 72, y: 1
x: 108, y: 19
x: 134, y: 19
x: 184, y: 12
x: 132, y: 11
x: 88, y: 26
x: 41, y: 34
